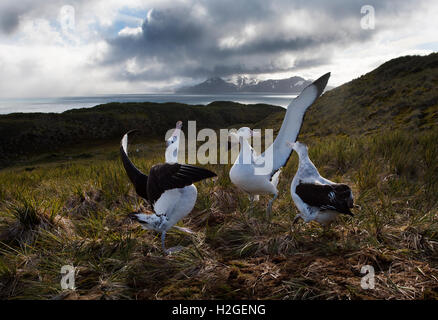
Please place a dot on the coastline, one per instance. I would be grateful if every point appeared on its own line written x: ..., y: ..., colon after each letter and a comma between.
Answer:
x: 61, y: 104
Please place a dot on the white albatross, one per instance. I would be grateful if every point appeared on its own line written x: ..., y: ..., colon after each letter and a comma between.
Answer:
x: 168, y: 188
x: 259, y: 174
x: 315, y: 197
x: 171, y: 156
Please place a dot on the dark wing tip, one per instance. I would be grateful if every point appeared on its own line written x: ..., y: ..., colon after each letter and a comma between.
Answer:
x: 321, y: 83
x: 127, y: 135
x: 210, y: 174
x: 131, y: 131
x: 200, y: 172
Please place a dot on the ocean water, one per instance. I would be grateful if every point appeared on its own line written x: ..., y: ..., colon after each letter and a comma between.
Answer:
x: 62, y: 104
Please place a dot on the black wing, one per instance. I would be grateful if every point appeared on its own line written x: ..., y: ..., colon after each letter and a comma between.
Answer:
x: 166, y: 176
x: 326, y: 197
x: 138, y: 178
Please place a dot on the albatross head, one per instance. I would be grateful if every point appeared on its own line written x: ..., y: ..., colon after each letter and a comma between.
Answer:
x: 299, y: 147
x: 175, y: 135
x: 243, y: 133
x: 247, y: 133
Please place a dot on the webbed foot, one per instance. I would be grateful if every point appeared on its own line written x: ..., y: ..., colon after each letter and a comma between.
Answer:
x: 186, y: 230
x: 173, y: 250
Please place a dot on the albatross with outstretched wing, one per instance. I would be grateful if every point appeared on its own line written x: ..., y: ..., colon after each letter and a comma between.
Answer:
x: 168, y: 188
x: 259, y: 174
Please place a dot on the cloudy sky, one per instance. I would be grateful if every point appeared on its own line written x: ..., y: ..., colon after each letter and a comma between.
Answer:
x: 87, y: 47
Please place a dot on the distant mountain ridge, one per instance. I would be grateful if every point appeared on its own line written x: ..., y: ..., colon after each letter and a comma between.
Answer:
x: 292, y: 85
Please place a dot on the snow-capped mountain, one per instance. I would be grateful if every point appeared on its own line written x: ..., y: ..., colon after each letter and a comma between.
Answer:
x: 242, y: 81
x: 243, y: 84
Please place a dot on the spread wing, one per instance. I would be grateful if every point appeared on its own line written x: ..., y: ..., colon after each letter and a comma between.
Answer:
x: 292, y: 122
x: 167, y: 176
x: 336, y: 197
x: 138, y: 178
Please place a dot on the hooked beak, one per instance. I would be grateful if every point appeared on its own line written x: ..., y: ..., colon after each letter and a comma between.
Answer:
x: 177, y: 129
x: 175, y: 134
x: 255, y: 133
x: 233, y: 137
x: 291, y: 145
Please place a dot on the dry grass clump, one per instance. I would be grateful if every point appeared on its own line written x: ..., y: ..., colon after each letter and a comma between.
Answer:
x: 25, y: 217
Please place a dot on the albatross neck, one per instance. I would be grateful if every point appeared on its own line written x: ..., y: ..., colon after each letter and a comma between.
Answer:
x: 303, y: 155
x: 305, y: 164
x: 245, y: 147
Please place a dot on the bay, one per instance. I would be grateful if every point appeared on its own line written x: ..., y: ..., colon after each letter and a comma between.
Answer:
x: 61, y: 104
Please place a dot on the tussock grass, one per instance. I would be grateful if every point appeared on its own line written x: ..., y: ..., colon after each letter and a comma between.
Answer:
x: 234, y: 253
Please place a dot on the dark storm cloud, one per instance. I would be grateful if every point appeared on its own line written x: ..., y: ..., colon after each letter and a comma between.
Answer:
x: 166, y: 30
x: 171, y: 27
x: 10, y: 16
x: 8, y: 22
x: 190, y: 43
x: 303, y: 63
x: 11, y: 11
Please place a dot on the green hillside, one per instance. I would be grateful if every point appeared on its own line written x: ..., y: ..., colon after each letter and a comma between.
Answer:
x: 23, y: 135
x: 400, y: 94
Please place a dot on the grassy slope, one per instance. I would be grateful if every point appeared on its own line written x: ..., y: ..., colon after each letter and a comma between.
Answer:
x: 400, y: 94
x: 75, y: 213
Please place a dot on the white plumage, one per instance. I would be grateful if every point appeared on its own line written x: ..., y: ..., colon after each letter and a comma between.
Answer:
x: 172, y: 144
x: 260, y: 174
x: 168, y: 188
x: 315, y: 197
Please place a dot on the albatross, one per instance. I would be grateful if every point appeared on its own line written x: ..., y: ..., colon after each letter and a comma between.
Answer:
x: 245, y: 172
x: 172, y: 144
x: 171, y: 155
x: 168, y: 188
x: 315, y: 197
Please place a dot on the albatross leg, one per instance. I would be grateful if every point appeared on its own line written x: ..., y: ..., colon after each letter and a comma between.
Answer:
x: 269, y: 209
x: 326, y: 229
x: 251, y: 203
x: 170, y: 250
x: 163, y: 237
